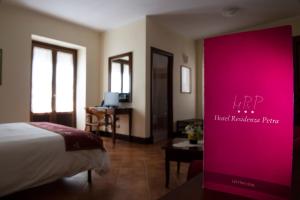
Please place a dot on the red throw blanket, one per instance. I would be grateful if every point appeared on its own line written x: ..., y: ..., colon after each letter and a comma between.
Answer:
x: 75, y: 139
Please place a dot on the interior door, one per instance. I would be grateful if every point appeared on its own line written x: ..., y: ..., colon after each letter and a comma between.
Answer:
x: 161, y: 94
x: 53, y: 84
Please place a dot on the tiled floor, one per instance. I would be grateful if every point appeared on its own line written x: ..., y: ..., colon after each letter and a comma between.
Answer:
x: 137, y: 172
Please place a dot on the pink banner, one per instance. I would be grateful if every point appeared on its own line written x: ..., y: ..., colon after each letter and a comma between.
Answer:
x: 248, y: 120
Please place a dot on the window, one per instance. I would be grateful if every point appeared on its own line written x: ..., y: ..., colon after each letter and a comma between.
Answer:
x: 116, y: 76
x: 64, y: 82
x: 53, y: 84
x: 42, y: 70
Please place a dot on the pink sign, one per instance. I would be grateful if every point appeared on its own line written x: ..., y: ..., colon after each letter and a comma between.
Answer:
x: 248, y: 120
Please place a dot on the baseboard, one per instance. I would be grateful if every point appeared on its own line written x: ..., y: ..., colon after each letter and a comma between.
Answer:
x: 134, y: 139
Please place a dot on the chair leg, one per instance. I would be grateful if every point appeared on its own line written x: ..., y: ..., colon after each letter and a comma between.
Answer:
x: 86, y: 128
x: 114, y: 137
x: 178, y: 167
x: 89, y: 176
x: 98, y: 131
x: 114, y: 130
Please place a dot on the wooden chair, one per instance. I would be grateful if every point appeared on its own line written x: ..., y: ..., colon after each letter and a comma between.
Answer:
x: 103, y: 119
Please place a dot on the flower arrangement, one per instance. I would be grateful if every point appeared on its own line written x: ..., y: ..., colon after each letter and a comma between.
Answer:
x: 194, y: 133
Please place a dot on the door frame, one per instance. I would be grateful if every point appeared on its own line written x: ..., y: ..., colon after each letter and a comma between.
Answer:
x: 170, y: 90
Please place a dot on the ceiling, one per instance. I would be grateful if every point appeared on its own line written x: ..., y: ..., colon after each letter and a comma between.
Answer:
x: 191, y: 18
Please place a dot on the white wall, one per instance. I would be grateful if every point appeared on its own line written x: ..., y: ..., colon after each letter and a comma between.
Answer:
x: 17, y: 26
x: 129, y: 38
x: 159, y: 37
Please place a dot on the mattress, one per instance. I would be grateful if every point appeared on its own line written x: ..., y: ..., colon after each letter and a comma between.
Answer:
x: 31, y: 156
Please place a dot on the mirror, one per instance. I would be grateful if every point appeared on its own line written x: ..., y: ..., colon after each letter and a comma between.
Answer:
x: 120, y: 73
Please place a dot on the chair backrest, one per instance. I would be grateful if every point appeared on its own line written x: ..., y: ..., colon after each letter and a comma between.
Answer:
x: 100, y: 114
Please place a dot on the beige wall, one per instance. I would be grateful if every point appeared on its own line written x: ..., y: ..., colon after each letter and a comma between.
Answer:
x: 160, y: 37
x: 199, y: 79
x: 138, y: 37
x: 17, y: 26
x: 16, y: 39
x: 294, y: 22
x: 129, y: 38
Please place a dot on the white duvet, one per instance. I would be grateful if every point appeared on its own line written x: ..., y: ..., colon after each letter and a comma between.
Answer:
x: 30, y: 156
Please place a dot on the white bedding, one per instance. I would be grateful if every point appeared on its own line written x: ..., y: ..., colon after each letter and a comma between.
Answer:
x: 30, y: 156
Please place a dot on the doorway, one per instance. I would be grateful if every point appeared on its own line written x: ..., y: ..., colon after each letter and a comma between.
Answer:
x: 53, y: 84
x: 161, y: 120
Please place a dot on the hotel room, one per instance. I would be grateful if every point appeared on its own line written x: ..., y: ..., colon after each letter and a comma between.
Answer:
x: 118, y: 100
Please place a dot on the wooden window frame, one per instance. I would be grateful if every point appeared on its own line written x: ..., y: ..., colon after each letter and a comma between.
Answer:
x: 55, y: 49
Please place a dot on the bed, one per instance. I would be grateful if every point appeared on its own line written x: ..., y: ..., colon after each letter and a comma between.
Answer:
x: 31, y: 156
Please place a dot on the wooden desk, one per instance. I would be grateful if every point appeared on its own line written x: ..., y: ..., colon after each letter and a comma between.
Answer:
x: 114, y: 112
x: 179, y: 154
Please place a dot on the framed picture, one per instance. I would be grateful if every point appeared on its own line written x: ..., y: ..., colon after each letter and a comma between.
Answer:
x: 185, y: 79
x: 0, y: 66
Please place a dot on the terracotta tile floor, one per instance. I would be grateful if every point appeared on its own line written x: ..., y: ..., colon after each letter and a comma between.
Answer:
x: 137, y: 172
